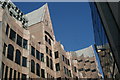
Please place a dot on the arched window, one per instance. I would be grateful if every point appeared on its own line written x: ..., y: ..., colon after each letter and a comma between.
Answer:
x: 32, y: 66
x: 37, y: 69
x: 18, y: 57
x: 10, y: 52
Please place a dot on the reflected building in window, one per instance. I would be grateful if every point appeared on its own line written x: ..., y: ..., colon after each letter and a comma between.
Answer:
x: 105, y: 18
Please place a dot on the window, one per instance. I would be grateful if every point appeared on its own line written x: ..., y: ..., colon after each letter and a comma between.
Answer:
x: 37, y: 54
x: 47, y: 61
x: 24, y: 76
x: 24, y: 61
x: 14, y: 75
x: 12, y: 35
x: 18, y: 75
x: 49, y: 41
x: 42, y: 73
x: 81, y: 69
x: 75, y: 70
x: 32, y: 66
x: 37, y: 69
x: 63, y: 57
x: 42, y: 57
x: 46, y: 49
x: 80, y: 60
x: 51, y: 64
x: 86, y: 61
x: 59, y: 78
x: 56, y: 55
x: 92, y: 61
x: 65, y: 60
x: 65, y: 70
x: 57, y: 66
x: 69, y: 74
x: 10, y: 52
x: 32, y: 51
x: 68, y: 62
x: 66, y: 78
x: 10, y: 77
x: 50, y: 53
x: 3, y: 66
x: 46, y: 39
x: 18, y: 57
x: 6, y: 73
x: 76, y: 78
x: 93, y: 70
x: 4, y: 49
x: 87, y: 70
x: 25, y: 43
x: 7, y: 29
x: 19, y: 40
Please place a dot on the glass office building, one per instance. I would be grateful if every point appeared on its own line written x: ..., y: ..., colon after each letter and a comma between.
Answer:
x: 106, y: 33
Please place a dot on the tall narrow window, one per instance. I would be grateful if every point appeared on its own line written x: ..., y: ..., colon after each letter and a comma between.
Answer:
x: 3, y: 66
x: 56, y: 55
x: 14, y: 74
x: 46, y: 39
x: 51, y: 53
x: 57, y: 66
x: 18, y: 75
x: 18, y: 57
x: 24, y: 61
x: 4, y: 49
x: 32, y: 66
x: 10, y: 52
x: 42, y: 57
x: 32, y: 51
x: 37, y: 54
x: 19, y: 40
x: 12, y: 35
x: 10, y: 77
x: 49, y: 41
x: 69, y: 73
x: 65, y: 71
x: 46, y: 49
x: 37, y: 69
x: 6, y: 73
x: 68, y: 62
x: 63, y: 57
x: 25, y: 43
x: 75, y: 69
x: 7, y: 29
x: 51, y: 64
x: 42, y: 73
x: 47, y: 61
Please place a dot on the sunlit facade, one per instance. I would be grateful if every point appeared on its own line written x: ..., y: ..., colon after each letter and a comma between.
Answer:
x: 29, y: 48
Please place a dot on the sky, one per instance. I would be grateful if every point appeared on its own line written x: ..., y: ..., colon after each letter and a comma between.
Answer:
x: 72, y: 22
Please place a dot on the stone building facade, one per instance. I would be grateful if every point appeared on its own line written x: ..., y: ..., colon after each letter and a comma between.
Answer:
x: 29, y: 48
